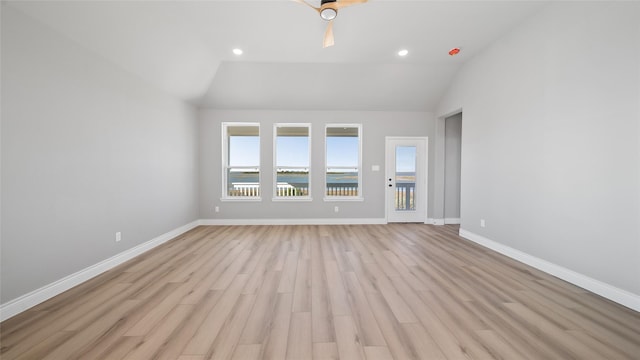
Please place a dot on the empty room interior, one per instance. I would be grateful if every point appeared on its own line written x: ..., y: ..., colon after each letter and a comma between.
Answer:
x: 347, y: 179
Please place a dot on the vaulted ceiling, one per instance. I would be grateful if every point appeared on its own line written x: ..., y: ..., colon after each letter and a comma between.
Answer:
x: 185, y: 48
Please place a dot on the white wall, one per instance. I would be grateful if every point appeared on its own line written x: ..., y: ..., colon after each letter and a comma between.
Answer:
x: 550, y: 140
x: 376, y: 125
x: 87, y: 150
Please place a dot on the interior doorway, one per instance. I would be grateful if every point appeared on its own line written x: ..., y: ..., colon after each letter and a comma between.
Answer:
x: 452, y: 168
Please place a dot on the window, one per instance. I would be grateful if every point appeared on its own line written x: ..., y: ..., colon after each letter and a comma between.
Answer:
x: 291, y: 161
x: 343, y: 160
x: 241, y: 155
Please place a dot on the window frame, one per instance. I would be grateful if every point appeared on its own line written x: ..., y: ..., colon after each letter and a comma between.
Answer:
x: 225, y: 163
x: 308, y: 197
x: 360, y: 196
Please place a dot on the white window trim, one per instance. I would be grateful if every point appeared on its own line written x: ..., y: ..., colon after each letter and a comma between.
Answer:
x: 275, y: 165
x: 225, y: 158
x: 360, y: 196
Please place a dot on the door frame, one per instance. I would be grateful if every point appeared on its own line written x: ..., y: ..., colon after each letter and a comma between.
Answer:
x: 425, y: 163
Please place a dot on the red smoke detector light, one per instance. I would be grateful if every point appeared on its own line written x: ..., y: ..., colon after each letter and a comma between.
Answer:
x: 454, y: 51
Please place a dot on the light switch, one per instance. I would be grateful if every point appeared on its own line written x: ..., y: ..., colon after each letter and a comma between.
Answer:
x: 375, y: 167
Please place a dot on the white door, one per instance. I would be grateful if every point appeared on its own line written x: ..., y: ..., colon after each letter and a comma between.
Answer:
x: 406, y: 179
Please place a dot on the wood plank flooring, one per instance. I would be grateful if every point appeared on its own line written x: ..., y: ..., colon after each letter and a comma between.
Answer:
x: 398, y: 291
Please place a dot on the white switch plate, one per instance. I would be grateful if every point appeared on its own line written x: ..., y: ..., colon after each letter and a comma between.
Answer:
x: 118, y: 236
x: 336, y: 209
x: 482, y: 223
x: 217, y: 208
x: 375, y: 167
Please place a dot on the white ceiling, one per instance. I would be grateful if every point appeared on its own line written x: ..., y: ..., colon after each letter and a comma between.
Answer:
x: 184, y: 48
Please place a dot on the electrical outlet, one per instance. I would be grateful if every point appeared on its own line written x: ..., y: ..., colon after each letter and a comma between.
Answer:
x: 482, y: 223
x: 118, y: 236
x: 217, y: 209
x: 336, y: 209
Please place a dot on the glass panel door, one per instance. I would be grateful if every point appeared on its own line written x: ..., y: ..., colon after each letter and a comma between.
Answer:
x: 405, y: 178
x: 406, y: 185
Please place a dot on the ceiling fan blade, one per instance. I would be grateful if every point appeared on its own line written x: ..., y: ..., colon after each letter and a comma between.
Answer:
x: 328, y: 36
x: 309, y: 5
x: 344, y: 3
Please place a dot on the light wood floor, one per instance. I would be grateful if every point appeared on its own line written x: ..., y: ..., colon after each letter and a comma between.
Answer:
x: 300, y: 292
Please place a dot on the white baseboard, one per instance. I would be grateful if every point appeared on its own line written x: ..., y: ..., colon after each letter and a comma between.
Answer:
x: 610, y: 292
x: 452, y: 221
x: 324, y: 221
x: 27, y: 301
x: 435, y: 221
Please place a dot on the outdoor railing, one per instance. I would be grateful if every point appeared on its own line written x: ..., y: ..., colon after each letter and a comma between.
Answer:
x: 404, y: 192
x: 404, y: 196
x: 342, y: 189
x: 244, y: 190
x: 292, y: 190
x: 253, y: 190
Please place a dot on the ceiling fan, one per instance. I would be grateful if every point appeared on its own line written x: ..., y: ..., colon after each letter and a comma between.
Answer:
x: 328, y: 11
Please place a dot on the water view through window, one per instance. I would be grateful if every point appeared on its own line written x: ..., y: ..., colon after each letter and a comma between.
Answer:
x: 292, y: 164
x: 243, y: 161
x: 292, y: 161
x: 343, y: 161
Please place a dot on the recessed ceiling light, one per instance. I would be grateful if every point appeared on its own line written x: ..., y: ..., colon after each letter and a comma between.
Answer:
x: 237, y: 51
x: 403, y: 52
